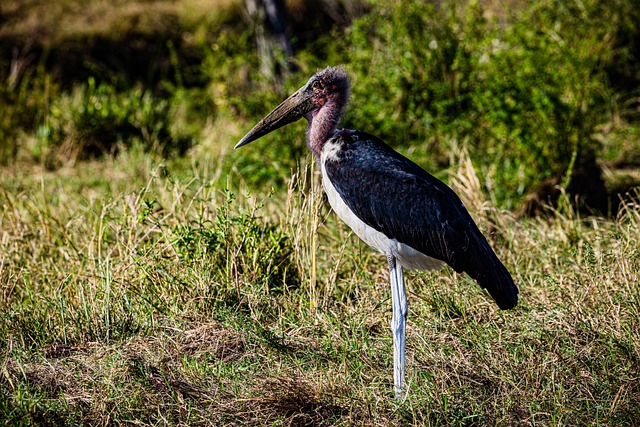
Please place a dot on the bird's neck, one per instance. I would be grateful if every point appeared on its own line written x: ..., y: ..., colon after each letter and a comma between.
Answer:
x: 323, y: 123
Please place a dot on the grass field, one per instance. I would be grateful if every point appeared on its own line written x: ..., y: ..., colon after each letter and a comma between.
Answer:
x: 139, y: 291
x: 151, y: 275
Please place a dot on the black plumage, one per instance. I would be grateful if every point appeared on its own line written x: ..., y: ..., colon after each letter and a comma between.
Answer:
x: 405, y: 202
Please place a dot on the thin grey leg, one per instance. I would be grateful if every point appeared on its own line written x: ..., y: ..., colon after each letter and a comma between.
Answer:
x: 398, y: 325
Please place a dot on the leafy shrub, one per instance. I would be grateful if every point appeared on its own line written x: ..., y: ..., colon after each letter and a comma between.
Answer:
x: 539, y: 95
x: 526, y: 94
x: 241, y: 245
x: 97, y: 118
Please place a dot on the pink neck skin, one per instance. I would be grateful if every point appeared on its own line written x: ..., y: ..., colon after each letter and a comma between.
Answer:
x: 323, y: 123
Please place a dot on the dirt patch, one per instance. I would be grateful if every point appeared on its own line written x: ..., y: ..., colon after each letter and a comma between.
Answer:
x: 225, y: 344
x: 287, y: 401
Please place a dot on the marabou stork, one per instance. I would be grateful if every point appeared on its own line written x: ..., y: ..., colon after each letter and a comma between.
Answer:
x: 391, y: 203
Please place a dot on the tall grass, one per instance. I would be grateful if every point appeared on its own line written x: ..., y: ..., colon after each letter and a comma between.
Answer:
x: 153, y: 297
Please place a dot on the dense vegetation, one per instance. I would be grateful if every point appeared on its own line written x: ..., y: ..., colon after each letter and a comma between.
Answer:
x: 150, y: 274
x: 541, y: 95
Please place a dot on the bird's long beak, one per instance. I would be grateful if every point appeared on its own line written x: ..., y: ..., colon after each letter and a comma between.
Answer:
x: 293, y: 108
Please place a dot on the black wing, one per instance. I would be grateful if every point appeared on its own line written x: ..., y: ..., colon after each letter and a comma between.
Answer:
x: 405, y: 202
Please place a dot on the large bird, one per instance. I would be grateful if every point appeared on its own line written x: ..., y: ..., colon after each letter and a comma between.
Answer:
x: 391, y: 203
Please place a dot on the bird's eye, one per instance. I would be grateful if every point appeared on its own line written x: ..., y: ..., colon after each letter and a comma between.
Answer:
x: 316, y: 85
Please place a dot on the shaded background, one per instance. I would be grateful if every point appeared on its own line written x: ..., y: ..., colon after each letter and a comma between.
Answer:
x: 545, y: 96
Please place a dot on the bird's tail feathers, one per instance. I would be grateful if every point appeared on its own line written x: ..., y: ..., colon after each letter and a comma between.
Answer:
x: 491, y: 274
x: 498, y: 282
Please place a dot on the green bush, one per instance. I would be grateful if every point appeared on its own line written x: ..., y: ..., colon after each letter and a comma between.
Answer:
x: 539, y: 95
x: 97, y: 119
x: 240, y: 245
x: 525, y: 93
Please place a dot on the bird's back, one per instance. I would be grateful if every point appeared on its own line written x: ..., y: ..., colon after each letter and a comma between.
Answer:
x: 399, y: 199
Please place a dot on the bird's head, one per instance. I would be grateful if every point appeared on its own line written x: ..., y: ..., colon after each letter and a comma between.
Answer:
x: 327, y: 87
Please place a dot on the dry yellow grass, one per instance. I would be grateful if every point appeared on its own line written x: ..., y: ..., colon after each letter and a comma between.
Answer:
x: 139, y: 292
